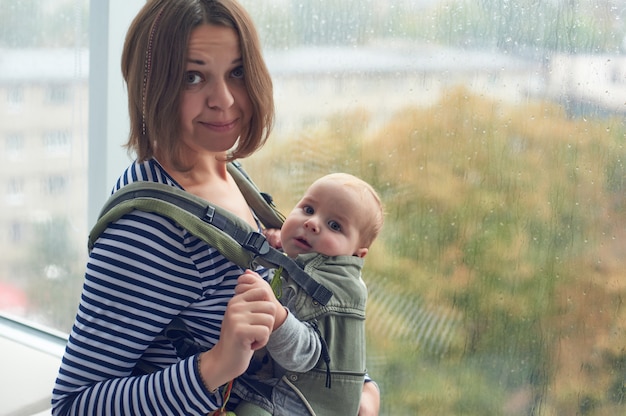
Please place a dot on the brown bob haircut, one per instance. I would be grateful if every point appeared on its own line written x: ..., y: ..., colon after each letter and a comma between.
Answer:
x: 153, y: 66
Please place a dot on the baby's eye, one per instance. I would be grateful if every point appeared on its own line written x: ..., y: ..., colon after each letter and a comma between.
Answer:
x: 192, y: 78
x: 308, y: 210
x: 334, y: 225
x: 237, y: 72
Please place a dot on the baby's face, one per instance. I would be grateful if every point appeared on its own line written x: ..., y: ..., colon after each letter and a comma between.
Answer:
x: 326, y: 220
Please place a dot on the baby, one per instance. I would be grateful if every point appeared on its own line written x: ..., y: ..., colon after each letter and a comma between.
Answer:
x: 321, y: 370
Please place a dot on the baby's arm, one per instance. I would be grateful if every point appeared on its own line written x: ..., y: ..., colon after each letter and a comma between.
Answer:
x: 295, y: 345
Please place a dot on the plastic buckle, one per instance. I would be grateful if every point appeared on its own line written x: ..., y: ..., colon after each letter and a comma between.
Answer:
x: 256, y: 243
x: 209, y: 214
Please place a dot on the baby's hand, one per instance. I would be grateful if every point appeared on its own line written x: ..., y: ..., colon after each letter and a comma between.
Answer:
x: 251, y: 280
x: 273, y: 237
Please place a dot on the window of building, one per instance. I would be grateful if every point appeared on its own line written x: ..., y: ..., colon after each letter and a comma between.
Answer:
x: 15, y: 232
x: 15, y: 96
x: 57, y: 94
x: 14, y: 145
x: 55, y: 185
x: 15, y: 190
x: 57, y: 142
x: 494, y: 132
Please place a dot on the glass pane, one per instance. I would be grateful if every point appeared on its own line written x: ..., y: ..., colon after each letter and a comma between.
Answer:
x: 494, y: 130
x: 43, y: 137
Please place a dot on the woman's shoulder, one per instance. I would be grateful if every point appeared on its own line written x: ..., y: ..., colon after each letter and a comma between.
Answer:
x: 149, y: 171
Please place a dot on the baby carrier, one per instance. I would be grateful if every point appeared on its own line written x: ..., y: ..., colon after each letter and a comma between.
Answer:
x: 227, y: 233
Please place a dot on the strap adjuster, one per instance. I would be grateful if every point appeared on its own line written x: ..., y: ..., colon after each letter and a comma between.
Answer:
x: 256, y: 243
x: 209, y: 213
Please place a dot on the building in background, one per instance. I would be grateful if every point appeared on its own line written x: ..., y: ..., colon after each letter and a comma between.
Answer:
x: 43, y: 158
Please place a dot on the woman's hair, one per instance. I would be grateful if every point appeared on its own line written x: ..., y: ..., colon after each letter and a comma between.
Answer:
x: 154, y: 63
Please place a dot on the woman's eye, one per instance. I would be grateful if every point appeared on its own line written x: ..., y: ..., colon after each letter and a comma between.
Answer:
x: 192, y: 78
x: 334, y: 225
x: 237, y: 72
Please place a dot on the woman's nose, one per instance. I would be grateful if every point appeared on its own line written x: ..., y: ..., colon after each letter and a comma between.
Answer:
x: 220, y: 96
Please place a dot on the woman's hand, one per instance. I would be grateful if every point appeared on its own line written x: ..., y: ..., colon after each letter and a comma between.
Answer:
x: 251, y: 280
x: 247, y: 325
x: 370, y: 400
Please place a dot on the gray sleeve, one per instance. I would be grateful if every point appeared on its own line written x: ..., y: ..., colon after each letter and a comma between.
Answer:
x: 295, y: 345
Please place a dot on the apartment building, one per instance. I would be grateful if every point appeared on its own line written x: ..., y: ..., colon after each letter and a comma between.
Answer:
x: 43, y: 157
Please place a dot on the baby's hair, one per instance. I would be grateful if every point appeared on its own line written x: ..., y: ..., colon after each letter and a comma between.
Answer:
x: 373, y: 225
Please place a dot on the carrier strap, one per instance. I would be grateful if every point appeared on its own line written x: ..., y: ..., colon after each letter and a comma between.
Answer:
x: 314, y: 289
x: 197, y: 216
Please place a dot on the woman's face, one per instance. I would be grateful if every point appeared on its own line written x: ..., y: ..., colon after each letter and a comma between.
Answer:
x: 215, y: 106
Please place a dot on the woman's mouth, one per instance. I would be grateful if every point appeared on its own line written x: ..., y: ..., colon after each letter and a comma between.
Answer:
x: 220, y: 126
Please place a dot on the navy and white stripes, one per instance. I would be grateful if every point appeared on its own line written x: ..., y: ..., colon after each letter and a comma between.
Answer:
x: 143, y: 271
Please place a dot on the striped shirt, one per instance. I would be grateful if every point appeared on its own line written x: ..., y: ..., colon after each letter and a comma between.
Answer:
x: 143, y: 270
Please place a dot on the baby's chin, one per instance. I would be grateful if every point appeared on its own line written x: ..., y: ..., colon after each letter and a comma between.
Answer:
x: 297, y: 246
x: 295, y: 253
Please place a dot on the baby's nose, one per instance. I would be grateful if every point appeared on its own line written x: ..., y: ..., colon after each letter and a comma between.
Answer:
x: 311, y: 225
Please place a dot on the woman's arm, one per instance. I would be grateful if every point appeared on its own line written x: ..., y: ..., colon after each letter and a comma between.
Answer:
x: 138, y: 277
x: 247, y: 326
x: 370, y: 399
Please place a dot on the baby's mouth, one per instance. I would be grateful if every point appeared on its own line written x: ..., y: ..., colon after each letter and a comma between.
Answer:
x: 301, y: 241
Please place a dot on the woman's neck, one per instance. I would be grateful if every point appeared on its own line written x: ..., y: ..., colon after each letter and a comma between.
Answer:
x: 211, y: 181
x: 202, y: 170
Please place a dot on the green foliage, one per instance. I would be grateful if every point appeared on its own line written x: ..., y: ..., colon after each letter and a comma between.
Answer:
x: 499, y: 248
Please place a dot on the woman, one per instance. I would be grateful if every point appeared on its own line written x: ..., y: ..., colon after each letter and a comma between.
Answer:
x: 200, y: 95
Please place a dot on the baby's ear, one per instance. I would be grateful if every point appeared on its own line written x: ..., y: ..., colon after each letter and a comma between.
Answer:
x: 361, y: 252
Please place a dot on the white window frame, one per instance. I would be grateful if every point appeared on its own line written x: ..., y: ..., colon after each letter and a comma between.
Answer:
x: 108, y: 115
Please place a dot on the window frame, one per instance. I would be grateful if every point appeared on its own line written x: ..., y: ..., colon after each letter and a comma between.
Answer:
x: 108, y: 124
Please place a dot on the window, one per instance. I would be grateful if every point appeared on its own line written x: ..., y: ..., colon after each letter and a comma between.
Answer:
x: 494, y: 131
x: 14, y: 145
x: 43, y: 75
x: 15, y: 97
x: 15, y: 191
x: 57, y: 142
x: 55, y: 185
x: 15, y: 233
x: 57, y: 94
